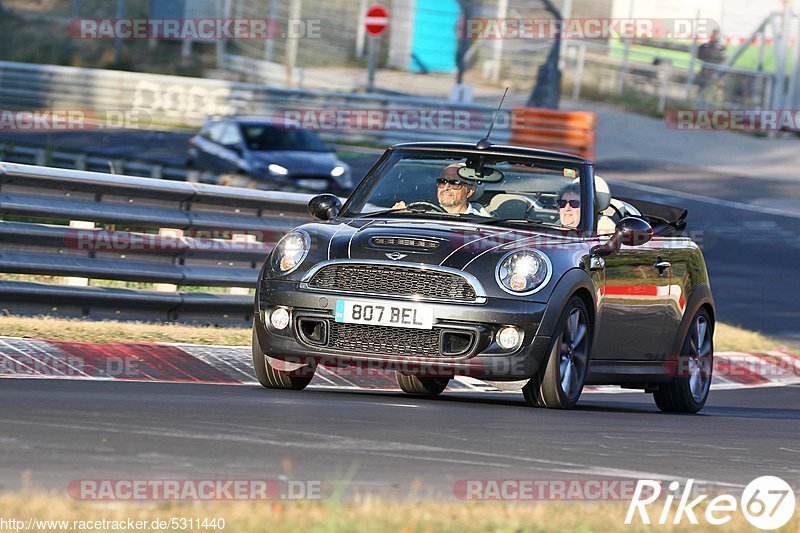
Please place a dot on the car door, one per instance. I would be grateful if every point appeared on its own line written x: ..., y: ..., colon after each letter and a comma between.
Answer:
x: 209, y: 148
x: 633, y: 304
x: 231, y: 149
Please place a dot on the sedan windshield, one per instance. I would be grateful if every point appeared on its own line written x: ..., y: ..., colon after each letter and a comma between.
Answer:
x: 482, y: 188
x: 264, y: 137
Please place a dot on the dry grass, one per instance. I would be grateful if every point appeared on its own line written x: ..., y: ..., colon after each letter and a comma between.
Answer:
x: 367, y: 515
x: 62, y: 329
x: 729, y: 338
x: 726, y: 338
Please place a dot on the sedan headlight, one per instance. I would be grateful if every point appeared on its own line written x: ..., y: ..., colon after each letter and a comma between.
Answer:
x: 277, y: 169
x: 290, y: 252
x: 523, y: 272
x: 337, y: 171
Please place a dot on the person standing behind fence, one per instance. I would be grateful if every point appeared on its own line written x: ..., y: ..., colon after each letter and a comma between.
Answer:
x: 712, y: 52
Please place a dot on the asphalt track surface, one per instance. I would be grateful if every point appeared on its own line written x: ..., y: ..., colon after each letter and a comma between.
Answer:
x: 382, y: 443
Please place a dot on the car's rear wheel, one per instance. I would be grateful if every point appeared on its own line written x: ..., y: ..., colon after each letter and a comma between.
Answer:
x: 274, y: 378
x: 421, y: 386
x: 559, y: 382
x: 688, y: 391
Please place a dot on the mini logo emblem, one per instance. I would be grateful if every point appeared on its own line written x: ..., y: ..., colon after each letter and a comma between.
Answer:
x: 396, y: 256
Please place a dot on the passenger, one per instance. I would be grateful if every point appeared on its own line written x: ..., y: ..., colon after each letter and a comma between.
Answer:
x: 569, y: 205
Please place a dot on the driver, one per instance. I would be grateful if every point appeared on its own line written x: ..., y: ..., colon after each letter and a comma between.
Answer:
x: 453, y: 193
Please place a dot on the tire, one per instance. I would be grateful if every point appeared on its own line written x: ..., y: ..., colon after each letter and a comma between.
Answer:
x: 272, y: 378
x: 559, y: 382
x: 421, y: 386
x: 688, y: 391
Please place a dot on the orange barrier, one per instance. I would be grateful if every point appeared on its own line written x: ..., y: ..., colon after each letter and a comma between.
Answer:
x: 550, y: 129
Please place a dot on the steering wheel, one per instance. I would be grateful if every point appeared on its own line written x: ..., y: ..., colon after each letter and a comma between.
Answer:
x: 426, y: 205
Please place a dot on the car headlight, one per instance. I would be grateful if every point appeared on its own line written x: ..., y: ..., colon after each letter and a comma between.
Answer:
x: 290, y: 252
x: 337, y: 171
x: 277, y: 169
x: 523, y: 272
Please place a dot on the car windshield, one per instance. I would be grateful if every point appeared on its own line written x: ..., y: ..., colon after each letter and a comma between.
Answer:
x: 483, y: 188
x: 265, y: 137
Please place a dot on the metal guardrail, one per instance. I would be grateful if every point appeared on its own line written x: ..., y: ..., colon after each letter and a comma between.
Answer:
x: 36, y: 155
x: 140, y: 230
x: 158, y: 101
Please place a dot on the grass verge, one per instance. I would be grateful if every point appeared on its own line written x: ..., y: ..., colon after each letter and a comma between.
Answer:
x: 366, y: 515
x: 726, y: 338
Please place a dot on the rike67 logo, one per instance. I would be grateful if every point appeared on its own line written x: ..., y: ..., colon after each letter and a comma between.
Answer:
x: 767, y: 502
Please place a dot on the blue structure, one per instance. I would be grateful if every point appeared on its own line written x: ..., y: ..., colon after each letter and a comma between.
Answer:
x: 434, y: 40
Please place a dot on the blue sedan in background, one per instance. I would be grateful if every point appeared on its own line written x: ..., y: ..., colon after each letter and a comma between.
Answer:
x: 259, y: 153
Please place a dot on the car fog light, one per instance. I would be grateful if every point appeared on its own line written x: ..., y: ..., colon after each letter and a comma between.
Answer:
x: 509, y: 337
x: 279, y: 318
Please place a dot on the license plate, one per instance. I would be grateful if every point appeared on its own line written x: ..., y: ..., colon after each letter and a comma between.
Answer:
x: 381, y: 313
x: 314, y: 185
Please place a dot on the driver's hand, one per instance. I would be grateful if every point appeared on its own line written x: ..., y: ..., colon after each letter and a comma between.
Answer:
x: 399, y: 205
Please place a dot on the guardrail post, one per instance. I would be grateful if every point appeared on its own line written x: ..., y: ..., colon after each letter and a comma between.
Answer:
x: 79, y: 225
x: 168, y: 233
x: 80, y: 161
x: 40, y: 158
x: 157, y: 172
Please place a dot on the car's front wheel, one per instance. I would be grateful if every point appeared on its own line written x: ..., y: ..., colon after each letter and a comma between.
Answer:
x: 688, y: 391
x: 559, y: 382
x: 274, y: 378
x: 421, y: 386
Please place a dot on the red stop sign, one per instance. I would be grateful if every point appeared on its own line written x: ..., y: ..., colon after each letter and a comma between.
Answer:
x: 377, y: 20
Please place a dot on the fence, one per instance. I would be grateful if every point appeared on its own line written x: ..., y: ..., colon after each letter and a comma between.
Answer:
x: 131, y: 229
x: 132, y: 99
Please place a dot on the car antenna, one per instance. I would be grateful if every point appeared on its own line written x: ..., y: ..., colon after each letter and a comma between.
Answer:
x: 484, y: 143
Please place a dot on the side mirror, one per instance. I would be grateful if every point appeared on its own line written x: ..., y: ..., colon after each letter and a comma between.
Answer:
x: 324, y: 206
x: 634, y: 231
x: 630, y: 231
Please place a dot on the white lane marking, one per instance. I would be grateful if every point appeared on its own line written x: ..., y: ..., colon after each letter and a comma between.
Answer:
x: 412, y: 406
x: 705, y: 199
x: 636, y: 474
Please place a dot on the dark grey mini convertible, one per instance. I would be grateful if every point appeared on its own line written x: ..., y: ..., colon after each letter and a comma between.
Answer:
x: 509, y: 265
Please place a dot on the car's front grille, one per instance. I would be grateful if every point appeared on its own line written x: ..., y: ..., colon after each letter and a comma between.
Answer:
x: 393, y: 280
x: 384, y: 340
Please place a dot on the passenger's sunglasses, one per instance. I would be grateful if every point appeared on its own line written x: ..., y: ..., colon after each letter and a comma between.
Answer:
x: 456, y: 185
x: 574, y: 204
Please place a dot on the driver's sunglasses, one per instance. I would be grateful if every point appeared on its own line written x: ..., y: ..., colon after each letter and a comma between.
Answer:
x: 456, y: 185
x: 574, y: 204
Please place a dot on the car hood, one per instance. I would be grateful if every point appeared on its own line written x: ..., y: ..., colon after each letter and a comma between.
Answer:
x: 298, y: 162
x: 458, y: 245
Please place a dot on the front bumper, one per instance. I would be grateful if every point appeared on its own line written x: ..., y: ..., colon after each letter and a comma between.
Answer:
x: 484, y: 358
